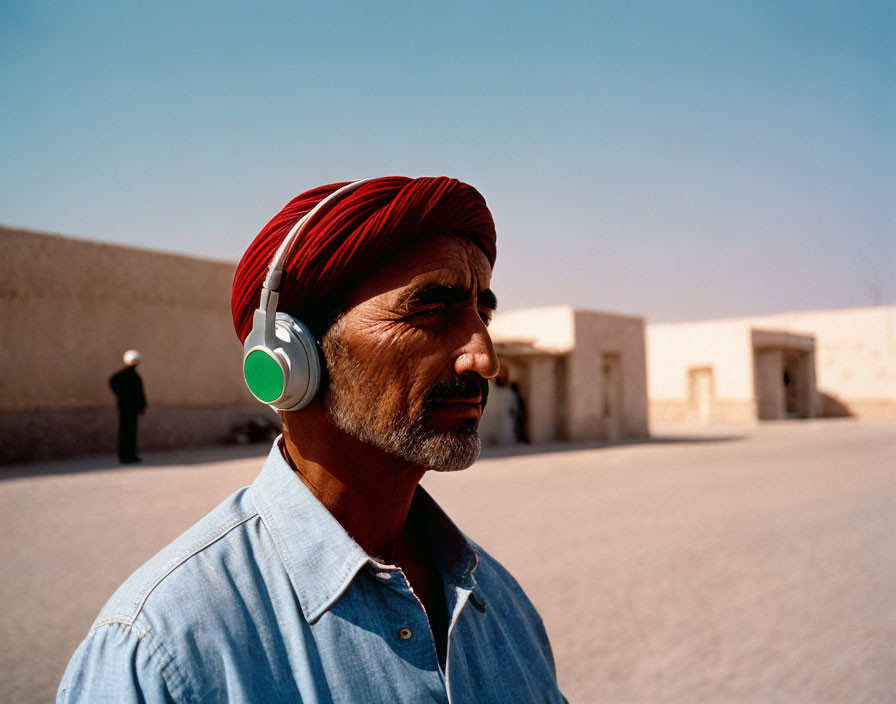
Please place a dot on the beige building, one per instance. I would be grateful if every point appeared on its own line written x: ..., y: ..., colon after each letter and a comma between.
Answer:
x: 70, y: 308
x: 789, y: 365
x: 581, y: 374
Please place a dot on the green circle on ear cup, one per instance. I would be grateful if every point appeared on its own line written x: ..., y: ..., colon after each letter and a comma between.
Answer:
x: 264, y: 376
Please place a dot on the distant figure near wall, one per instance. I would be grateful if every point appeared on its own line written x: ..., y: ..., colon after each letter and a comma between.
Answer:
x: 519, y: 419
x: 498, y: 423
x: 128, y: 388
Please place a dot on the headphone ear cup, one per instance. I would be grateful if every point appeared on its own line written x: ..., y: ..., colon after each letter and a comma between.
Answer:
x: 298, y: 350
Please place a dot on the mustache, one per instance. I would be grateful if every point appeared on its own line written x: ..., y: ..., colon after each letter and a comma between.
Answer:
x: 456, y: 388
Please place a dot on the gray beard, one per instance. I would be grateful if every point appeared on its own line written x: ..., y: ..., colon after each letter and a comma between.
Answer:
x: 351, y: 405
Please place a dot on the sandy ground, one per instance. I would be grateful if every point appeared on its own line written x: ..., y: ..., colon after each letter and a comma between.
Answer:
x: 756, y: 565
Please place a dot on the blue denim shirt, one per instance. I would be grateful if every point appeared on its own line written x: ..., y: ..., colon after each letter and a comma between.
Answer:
x: 268, y: 599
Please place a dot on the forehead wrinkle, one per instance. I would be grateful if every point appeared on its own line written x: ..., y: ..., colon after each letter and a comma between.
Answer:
x: 457, y: 265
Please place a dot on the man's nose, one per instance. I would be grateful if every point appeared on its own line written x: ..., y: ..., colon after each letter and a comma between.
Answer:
x: 478, y: 354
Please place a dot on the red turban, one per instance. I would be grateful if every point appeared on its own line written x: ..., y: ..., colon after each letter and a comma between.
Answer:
x: 351, y: 236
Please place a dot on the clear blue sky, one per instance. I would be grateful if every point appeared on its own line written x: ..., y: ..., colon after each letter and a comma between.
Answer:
x: 677, y: 160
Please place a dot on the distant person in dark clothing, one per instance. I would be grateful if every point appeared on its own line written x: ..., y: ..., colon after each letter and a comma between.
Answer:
x: 128, y: 388
x: 519, y: 418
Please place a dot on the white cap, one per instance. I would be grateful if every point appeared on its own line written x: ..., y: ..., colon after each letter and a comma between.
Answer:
x: 131, y: 358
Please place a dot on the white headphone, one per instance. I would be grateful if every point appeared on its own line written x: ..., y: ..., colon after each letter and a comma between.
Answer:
x: 281, y: 364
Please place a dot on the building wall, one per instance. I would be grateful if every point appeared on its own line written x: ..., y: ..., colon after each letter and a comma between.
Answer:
x: 540, y: 399
x: 855, y: 356
x: 549, y: 328
x: 770, y: 399
x: 565, y: 394
x: 853, y: 367
x: 596, y: 335
x: 676, y: 350
x: 69, y: 309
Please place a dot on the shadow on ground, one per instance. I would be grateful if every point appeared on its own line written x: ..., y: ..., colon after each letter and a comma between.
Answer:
x: 224, y: 453
x: 161, y: 459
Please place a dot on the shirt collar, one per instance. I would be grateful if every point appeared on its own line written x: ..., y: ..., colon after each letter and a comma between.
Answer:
x: 320, y: 557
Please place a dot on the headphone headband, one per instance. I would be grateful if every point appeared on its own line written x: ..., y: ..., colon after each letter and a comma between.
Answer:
x: 275, y: 270
x: 281, y: 365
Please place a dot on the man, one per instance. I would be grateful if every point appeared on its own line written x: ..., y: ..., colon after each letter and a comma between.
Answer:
x: 128, y: 389
x: 335, y: 577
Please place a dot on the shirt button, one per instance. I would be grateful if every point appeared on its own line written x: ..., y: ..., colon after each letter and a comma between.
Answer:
x: 405, y: 633
x: 384, y: 575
